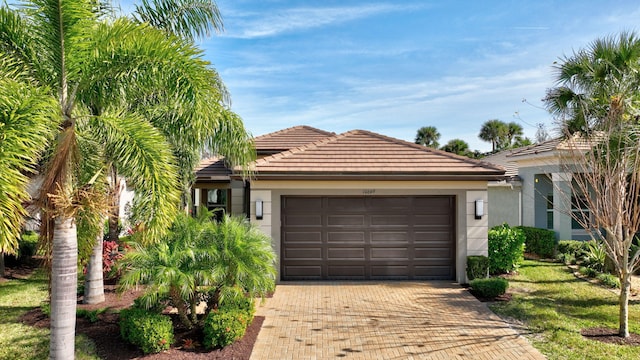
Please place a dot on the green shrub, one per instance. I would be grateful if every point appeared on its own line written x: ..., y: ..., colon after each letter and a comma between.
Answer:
x: 149, y: 331
x: 91, y: 315
x: 566, y: 258
x: 477, y: 267
x: 222, y: 328
x: 609, y: 280
x: 595, y: 257
x: 506, y: 249
x: 574, y: 247
x: 490, y: 287
x: 235, y: 299
x: 541, y: 242
x: 587, y: 271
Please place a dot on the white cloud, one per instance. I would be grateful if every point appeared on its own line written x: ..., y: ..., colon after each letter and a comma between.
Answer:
x: 257, y: 25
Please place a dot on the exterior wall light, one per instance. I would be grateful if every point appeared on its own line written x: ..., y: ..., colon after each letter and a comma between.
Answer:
x: 479, y: 209
x: 259, y: 212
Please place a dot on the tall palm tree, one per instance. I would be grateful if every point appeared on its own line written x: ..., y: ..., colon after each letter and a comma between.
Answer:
x: 493, y: 131
x: 597, y: 97
x: 428, y: 136
x: 514, y: 131
x: 70, y: 53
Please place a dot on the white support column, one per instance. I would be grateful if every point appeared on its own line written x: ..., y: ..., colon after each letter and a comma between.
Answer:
x: 562, y: 192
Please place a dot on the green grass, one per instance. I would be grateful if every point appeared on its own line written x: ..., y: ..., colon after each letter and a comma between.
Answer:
x: 554, y: 305
x: 19, y: 341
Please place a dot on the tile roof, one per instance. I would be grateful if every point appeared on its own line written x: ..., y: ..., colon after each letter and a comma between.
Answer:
x: 213, y: 168
x: 289, y: 138
x: 361, y: 153
x: 503, y: 158
x: 543, y: 147
x: 573, y: 143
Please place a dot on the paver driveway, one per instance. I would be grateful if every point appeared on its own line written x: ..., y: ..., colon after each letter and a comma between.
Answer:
x: 385, y: 320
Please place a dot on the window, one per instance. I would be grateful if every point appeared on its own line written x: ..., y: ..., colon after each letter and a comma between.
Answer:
x: 217, y: 202
x: 580, y: 211
x: 549, y: 211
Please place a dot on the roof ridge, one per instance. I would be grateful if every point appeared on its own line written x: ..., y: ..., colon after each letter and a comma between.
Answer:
x: 298, y: 149
x: 289, y: 129
x: 428, y: 149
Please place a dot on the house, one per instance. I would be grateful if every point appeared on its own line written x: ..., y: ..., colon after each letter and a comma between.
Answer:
x: 537, y: 189
x: 358, y: 205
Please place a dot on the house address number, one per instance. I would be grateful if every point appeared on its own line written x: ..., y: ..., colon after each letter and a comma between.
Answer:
x: 369, y: 191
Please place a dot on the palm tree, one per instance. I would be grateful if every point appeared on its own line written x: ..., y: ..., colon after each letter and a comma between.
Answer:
x: 69, y: 53
x: 26, y: 126
x: 514, y: 131
x: 428, y: 136
x: 199, y: 259
x: 493, y: 131
x: 456, y: 146
x: 597, y: 97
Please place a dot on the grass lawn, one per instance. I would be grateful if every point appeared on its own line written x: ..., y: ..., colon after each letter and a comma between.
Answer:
x: 555, y: 306
x: 18, y: 341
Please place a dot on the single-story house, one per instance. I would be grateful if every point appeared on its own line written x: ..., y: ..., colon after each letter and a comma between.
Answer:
x: 537, y: 190
x: 357, y: 205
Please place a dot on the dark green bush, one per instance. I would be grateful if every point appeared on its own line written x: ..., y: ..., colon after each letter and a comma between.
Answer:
x: 541, y: 242
x: 506, y: 249
x: 222, y: 328
x: 587, y: 271
x: 477, y: 267
x: 490, y: 287
x: 573, y: 247
x: 235, y: 299
x: 150, y: 331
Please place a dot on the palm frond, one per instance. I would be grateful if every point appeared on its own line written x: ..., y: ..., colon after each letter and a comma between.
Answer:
x: 190, y: 19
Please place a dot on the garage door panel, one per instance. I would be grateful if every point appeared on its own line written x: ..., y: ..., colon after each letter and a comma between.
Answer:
x: 433, y: 219
x: 344, y: 253
x: 345, y: 220
x: 390, y: 220
x: 346, y: 272
x: 292, y: 253
x: 389, y: 271
x: 401, y: 237
x: 390, y: 253
x: 312, y: 237
x: 302, y: 204
x: 311, y: 272
x: 303, y: 220
x: 345, y: 237
x: 389, y: 237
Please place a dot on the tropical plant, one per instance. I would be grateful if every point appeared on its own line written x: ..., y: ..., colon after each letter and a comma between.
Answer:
x: 506, y: 249
x: 596, y: 101
x: 456, y: 146
x: 69, y: 53
x: 493, y: 131
x: 201, y: 260
x: 428, y: 136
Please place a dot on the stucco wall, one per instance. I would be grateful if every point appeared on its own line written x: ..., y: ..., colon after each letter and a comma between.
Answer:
x: 505, y: 204
x: 471, y: 234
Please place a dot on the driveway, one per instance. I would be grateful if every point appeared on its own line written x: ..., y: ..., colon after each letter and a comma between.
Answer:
x: 383, y: 320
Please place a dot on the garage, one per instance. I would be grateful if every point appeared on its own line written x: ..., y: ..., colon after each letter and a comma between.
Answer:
x: 367, y: 237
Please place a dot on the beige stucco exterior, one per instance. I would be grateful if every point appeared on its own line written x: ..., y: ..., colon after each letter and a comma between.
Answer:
x: 471, y: 234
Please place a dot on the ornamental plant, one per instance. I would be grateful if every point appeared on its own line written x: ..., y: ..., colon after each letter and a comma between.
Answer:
x: 506, y: 249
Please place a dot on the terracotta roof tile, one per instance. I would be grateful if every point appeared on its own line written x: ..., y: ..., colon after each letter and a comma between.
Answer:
x: 363, y: 152
x: 289, y: 138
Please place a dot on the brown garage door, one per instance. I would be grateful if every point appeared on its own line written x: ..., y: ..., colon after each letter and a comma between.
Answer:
x: 328, y: 237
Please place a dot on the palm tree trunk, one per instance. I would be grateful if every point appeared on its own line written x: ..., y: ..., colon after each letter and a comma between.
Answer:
x: 114, y: 206
x: 93, y: 280
x: 625, y: 291
x: 64, y: 283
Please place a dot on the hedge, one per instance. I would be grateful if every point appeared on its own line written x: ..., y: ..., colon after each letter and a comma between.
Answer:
x: 541, y: 242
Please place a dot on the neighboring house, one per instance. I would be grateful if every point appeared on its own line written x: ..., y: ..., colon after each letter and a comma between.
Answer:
x: 358, y: 205
x: 537, y: 190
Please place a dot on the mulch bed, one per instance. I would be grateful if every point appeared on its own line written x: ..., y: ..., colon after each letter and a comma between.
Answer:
x: 105, y: 333
x: 610, y: 336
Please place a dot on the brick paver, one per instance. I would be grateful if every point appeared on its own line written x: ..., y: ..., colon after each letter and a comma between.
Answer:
x: 383, y: 320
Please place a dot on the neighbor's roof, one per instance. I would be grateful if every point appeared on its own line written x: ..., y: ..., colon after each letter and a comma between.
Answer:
x: 574, y: 143
x: 362, y: 154
x: 503, y: 158
x: 213, y: 168
x: 289, y: 138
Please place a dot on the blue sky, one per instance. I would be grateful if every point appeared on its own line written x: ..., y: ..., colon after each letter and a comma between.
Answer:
x: 393, y: 67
